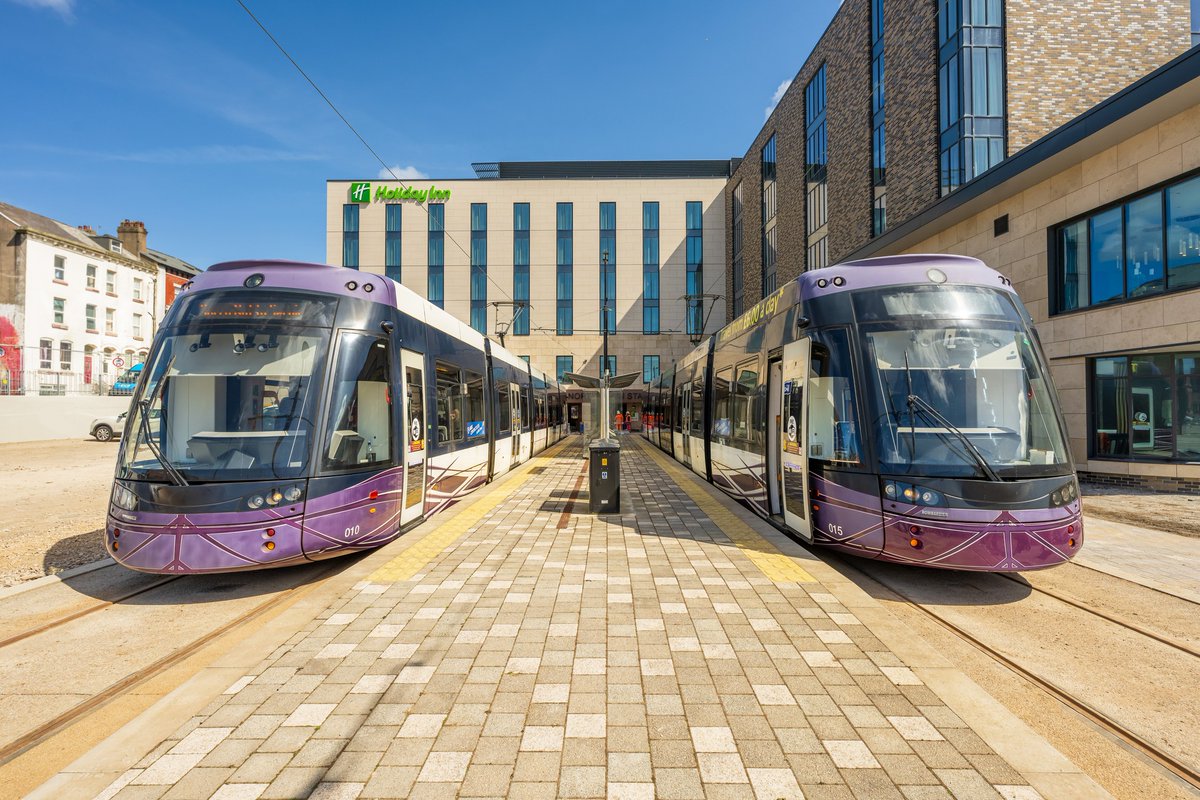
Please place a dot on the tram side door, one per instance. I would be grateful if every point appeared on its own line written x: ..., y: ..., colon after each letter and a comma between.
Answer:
x: 514, y: 405
x: 414, y: 436
x: 793, y: 437
x: 685, y: 423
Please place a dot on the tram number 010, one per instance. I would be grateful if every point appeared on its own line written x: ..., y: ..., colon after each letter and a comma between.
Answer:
x: 835, y: 530
x: 352, y: 532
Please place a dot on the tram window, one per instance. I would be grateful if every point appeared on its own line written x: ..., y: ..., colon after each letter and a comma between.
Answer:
x: 697, y: 422
x: 744, y: 389
x: 524, y: 407
x: 503, y: 408
x: 832, y: 412
x: 360, y: 429
x: 539, y: 420
x: 722, y: 393
x: 475, y: 417
x: 449, y: 403
x: 678, y: 412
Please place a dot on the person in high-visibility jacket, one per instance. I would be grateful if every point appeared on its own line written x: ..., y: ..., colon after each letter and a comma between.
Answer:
x: 619, y: 421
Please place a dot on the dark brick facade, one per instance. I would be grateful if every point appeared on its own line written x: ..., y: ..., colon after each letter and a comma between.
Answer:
x: 1151, y: 483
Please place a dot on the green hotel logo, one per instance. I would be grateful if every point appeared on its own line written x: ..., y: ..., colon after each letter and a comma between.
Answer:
x: 360, y: 192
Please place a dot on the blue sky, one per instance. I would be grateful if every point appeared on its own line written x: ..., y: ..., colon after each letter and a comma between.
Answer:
x: 183, y: 115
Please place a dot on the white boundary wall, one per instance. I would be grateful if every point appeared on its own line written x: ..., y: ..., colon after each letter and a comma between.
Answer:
x: 33, y: 418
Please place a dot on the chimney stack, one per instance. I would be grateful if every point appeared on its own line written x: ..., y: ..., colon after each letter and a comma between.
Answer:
x: 88, y: 229
x: 132, y: 234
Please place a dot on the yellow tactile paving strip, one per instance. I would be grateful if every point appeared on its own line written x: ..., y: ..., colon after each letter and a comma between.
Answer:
x: 774, y: 564
x: 472, y: 509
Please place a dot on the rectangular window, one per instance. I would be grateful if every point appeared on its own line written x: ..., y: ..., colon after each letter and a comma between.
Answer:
x: 479, y: 267
x: 437, y: 254
x: 525, y: 359
x: 110, y: 281
x: 565, y: 269
x: 1146, y: 407
x: 520, y: 321
x: 608, y: 267
x: 91, y: 276
x: 350, y: 235
x: 769, y: 251
x: 475, y: 413
x: 109, y: 326
x: 503, y: 407
x: 564, y: 364
x: 449, y: 404
x: 391, y: 241
x: 878, y: 126
x: 1183, y: 234
x: 816, y: 183
x: 46, y: 354
x: 137, y: 326
x: 60, y: 268
x: 722, y: 426
x: 743, y: 420
x: 64, y: 356
x: 89, y: 317
x: 650, y: 268
x: 650, y: 370
x: 610, y: 365
x: 60, y: 311
x: 739, y: 294
x: 137, y: 288
x: 971, y: 103
x: 360, y: 428
x: 694, y: 219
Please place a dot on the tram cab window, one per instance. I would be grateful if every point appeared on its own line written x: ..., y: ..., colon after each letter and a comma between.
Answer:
x: 475, y: 418
x: 832, y: 412
x: 722, y: 392
x: 449, y: 403
x: 360, y: 411
x: 745, y: 386
x: 503, y: 407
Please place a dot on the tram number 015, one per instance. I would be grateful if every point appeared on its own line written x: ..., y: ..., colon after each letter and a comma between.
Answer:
x: 834, y: 530
x: 352, y: 532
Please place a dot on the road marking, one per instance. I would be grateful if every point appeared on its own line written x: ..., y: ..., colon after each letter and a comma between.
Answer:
x: 775, y: 565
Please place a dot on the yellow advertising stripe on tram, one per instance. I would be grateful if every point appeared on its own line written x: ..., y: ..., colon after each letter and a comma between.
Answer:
x: 764, y: 555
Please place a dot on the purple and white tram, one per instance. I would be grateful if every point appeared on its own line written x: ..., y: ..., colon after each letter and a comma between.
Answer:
x: 895, y: 408
x: 291, y: 412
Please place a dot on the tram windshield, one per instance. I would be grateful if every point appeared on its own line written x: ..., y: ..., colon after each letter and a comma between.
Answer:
x: 957, y: 386
x: 232, y: 392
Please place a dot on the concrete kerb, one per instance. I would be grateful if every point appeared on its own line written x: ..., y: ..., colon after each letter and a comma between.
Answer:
x: 58, y: 577
x: 1039, y: 762
x: 99, y: 767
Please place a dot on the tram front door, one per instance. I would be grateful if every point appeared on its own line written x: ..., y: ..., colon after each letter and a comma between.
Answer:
x: 414, y: 437
x: 793, y: 437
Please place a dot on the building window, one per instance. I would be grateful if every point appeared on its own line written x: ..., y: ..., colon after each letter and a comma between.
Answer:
x: 971, y: 104
x: 91, y: 276
x: 608, y: 267
x: 46, y: 354
x: 525, y: 359
x: 816, y: 187
x: 520, y: 322
x: 609, y: 367
x: 350, y: 235
x: 650, y: 268
x: 479, y: 267
x: 878, y: 125
x: 565, y: 270
x: 1146, y: 407
x: 436, y: 293
x: 60, y: 268
x: 563, y: 365
x: 137, y: 326
x: 110, y: 327
x: 137, y: 288
x: 64, y: 356
x: 694, y: 220
x: 739, y: 276
x: 1143, y: 246
x: 649, y: 369
x: 60, y: 311
x: 770, y: 252
x: 89, y: 318
x: 391, y: 240
x: 110, y: 281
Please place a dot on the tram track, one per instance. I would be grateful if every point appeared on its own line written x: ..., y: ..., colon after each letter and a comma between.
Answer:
x: 1130, y: 740
x: 66, y: 719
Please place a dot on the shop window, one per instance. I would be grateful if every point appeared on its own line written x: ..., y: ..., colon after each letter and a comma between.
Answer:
x: 1134, y: 403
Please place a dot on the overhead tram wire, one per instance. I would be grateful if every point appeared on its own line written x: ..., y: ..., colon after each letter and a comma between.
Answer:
x: 370, y: 149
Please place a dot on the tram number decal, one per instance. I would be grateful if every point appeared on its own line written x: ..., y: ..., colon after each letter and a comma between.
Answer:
x: 352, y: 532
x: 834, y: 530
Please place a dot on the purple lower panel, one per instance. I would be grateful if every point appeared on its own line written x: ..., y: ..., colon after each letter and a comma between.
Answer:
x: 360, y: 517
x: 184, y: 546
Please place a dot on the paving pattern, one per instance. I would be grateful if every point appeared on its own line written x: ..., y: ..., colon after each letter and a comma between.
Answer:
x: 525, y: 650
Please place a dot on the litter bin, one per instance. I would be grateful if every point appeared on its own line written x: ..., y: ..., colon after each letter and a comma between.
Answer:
x: 604, y: 476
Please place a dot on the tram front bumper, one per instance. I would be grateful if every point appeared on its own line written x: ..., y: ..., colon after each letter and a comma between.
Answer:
x: 180, y: 545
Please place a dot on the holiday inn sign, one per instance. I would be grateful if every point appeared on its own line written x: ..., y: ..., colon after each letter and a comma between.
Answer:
x: 360, y: 192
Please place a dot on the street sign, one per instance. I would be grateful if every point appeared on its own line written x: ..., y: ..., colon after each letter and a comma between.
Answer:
x: 118, y: 362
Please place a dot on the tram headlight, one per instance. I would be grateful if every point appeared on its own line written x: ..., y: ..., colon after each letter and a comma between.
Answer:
x: 123, y: 498
x: 255, y: 501
x: 293, y: 493
x: 273, y: 497
x: 914, y: 495
x: 1067, y: 493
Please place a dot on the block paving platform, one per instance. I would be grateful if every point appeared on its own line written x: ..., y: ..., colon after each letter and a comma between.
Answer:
x: 524, y: 648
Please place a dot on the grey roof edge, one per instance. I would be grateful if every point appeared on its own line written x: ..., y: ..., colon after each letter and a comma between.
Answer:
x: 1174, y: 75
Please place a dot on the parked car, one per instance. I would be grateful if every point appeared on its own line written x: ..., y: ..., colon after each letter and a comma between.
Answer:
x: 105, y: 429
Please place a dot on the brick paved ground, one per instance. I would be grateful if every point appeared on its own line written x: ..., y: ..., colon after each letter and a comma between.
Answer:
x: 529, y: 652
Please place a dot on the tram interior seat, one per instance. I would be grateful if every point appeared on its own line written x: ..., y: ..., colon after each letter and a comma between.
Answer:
x: 346, y: 447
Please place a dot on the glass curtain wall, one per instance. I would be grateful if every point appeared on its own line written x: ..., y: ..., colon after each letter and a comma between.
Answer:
x: 694, y: 216
x: 770, y: 251
x: 739, y: 277
x: 391, y: 242
x: 436, y: 289
x: 520, y: 322
x: 565, y: 270
x: 349, y: 238
x: 479, y: 267
x: 816, y: 172
x: 608, y: 267
x: 878, y: 124
x: 650, y: 262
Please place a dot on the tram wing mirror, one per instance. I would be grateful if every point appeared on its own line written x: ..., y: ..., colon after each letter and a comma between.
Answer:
x: 802, y: 322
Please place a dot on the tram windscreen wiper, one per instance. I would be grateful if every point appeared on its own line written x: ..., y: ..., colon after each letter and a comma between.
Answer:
x: 175, y: 475
x: 918, y: 402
